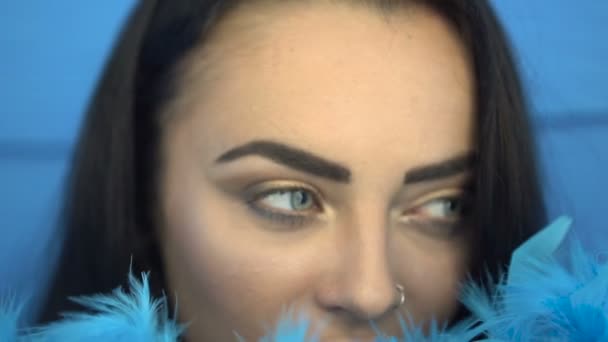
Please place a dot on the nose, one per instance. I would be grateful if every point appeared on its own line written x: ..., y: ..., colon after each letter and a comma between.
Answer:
x: 359, y: 283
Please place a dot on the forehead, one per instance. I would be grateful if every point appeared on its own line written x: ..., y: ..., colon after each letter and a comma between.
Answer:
x: 337, y: 79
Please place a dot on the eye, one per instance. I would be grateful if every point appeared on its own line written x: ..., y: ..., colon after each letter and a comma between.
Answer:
x: 289, y: 199
x: 442, y: 216
x: 448, y: 208
x: 292, y: 206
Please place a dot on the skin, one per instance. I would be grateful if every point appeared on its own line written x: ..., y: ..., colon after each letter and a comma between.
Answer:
x: 380, y: 96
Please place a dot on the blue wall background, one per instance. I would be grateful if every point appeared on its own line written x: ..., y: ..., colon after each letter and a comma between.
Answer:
x: 52, y: 53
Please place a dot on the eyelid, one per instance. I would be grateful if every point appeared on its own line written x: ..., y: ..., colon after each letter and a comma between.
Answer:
x: 437, y: 195
x: 409, y: 214
x: 258, y: 191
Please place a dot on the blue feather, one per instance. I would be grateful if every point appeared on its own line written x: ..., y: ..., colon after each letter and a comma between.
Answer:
x: 10, y: 311
x: 120, y: 317
x: 293, y: 327
x: 539, y: 299
x: 465, y: 330
x: 542, y: 299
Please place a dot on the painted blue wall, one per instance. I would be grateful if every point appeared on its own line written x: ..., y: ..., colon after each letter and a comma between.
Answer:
x: 563, y: 53
x: 52, y: 53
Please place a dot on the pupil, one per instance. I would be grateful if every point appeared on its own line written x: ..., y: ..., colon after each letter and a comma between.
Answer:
x: 452, y: 205
x: 299, y: 199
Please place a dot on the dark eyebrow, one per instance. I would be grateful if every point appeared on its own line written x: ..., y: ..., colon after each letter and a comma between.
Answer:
x: 291, y: 157
x: 444, y: 169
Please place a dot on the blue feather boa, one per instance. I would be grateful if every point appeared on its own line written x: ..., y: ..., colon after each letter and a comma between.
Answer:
x: 540, y: 300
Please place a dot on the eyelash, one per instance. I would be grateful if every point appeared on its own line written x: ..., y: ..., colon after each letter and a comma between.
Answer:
x: 440, y: 226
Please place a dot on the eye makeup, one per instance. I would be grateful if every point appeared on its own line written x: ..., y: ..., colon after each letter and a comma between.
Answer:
x: 289, y: 204
x: 257, y: 194
x: 428, y: 216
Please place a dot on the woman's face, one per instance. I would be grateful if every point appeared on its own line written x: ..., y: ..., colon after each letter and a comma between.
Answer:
x: 317, y: 155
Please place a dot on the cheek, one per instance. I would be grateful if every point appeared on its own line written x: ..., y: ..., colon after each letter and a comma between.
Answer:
x: 227, y: 269
x: 431, y: 279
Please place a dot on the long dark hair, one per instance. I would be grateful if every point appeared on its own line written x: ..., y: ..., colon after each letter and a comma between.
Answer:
x: 110, y: 213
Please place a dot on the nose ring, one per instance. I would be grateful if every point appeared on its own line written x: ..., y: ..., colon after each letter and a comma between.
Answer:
x: 401, y: 294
